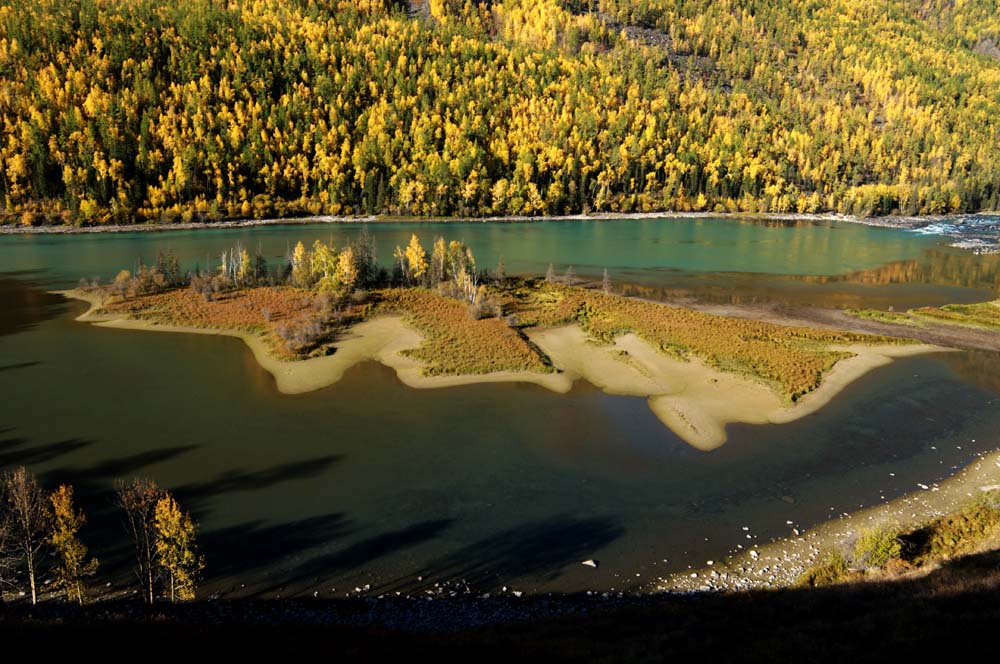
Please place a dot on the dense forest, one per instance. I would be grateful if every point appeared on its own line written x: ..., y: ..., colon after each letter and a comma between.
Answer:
x: 126, y: 111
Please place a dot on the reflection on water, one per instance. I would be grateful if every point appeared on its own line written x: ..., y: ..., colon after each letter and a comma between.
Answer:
x: 978, y: 367
x: 821, y: 263
x: 24, y: 303
x: 938, y: 277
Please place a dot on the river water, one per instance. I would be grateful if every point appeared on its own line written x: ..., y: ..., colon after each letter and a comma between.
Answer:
x: 368, y: 482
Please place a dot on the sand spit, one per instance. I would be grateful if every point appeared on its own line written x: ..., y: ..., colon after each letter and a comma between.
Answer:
x: 692, y: 399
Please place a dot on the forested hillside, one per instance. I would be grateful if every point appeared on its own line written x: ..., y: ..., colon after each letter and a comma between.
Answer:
x: 122, y: 111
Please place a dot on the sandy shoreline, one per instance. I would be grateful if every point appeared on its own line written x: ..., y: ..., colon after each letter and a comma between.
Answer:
x: 692, y: 399
x: 891, y: 222
x: 380, y: 339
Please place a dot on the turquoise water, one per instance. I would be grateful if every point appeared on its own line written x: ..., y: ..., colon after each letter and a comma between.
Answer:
x: 707, y: 245
x: 718, y: 260
x: 372, y: 483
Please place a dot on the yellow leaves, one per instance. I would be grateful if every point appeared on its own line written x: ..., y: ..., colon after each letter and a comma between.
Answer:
x: 414, y: 107
x: 17, y: 167
x: 416, y: 259
x: 175, y: 548
x: 323, y: 260
x: 348, y: 275
x: 73, y: 562
x: 301, y: 266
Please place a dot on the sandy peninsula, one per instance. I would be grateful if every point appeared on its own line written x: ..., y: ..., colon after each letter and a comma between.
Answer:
x: 694, y: 400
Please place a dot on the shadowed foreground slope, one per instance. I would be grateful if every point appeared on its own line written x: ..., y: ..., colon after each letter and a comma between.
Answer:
x: 955, y: 604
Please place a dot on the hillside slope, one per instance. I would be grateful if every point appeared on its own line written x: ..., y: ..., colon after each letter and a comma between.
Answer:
x: 138, y: 110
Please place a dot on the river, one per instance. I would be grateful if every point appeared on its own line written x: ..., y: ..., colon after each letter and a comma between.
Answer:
x: 370, y: 483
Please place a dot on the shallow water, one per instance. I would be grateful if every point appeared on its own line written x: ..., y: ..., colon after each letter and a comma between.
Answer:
x: 980, y: 232
x: 370, y: 482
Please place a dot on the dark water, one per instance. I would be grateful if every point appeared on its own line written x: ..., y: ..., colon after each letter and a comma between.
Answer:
x: 370, y: 482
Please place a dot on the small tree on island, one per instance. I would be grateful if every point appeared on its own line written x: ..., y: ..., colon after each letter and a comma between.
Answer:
x: 606, y: 283
x: 550, y: 274
x: 30, y: 518
x: 176, y: 552
x: 570, y: 275
x: 74, y: 564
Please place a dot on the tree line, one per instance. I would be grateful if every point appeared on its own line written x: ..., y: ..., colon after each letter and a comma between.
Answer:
x: 40, y: 533
x: 187, y: 110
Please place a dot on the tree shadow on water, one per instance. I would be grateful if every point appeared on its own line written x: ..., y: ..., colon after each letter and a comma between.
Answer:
x: 16, y: 452
x: 363, y: 552
x: 240, y: 480
x: 252, y: 546
x: 121, y: 468
x: 26, y: 302
x: 19, y: 365
x: 541, y: 549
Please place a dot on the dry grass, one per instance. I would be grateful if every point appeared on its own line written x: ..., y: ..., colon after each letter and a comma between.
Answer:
x: 885, y: 554
x: 239, y: 310
x: 790, y: 359
x: 971, y: 529
x: 264, y: 310
x: 891, y: 317
x: 454, y: 343
x: 982, y: 315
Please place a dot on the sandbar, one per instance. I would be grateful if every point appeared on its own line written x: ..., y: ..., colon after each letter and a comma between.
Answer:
x: 692, y: 399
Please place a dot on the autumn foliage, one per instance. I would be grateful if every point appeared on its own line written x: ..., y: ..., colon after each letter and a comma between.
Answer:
x: 457, y: 344
x: 194, y: 110
x: 790, y: 359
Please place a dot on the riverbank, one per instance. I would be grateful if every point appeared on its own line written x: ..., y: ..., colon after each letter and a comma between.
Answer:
x: 780, y: 563
x: 889, y: 222
x: 696, y: 401
x: 885, y: 620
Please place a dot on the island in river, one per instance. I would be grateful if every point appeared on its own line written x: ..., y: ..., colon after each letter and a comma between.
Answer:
x: 699, y: 371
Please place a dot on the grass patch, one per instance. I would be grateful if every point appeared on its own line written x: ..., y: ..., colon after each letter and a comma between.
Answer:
x: 891, y: 317
x: 456, y: 344
x: 984, y: 315
x: 792, y: 360
x: 973, y: 528
x: 834, y: 568
x: 269, y: 311
x: 876, y: 547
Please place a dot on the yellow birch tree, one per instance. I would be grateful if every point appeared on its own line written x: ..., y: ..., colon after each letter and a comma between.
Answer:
x: 74, y: 564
